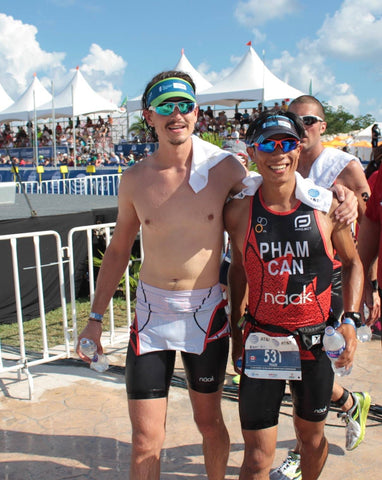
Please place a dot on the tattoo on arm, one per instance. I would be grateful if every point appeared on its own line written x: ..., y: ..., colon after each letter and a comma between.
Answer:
x: 365, y: 196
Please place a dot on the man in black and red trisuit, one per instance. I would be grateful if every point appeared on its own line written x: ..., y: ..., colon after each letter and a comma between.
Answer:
x: 283, y: 235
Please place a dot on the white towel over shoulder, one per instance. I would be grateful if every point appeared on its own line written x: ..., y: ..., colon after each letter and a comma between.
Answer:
x: 204, y: 156
x: 306, y: 191
x: 328, y: 165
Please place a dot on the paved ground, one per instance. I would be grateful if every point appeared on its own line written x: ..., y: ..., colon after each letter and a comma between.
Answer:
x: 76, y: 426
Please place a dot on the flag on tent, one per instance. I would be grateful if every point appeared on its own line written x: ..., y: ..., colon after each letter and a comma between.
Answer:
x: 249, y: 43
x: 124, y: 102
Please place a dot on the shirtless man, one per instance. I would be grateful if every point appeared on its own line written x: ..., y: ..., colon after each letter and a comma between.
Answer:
x: 177, y: 195
x: 328, y: 166
x: 283, y: 240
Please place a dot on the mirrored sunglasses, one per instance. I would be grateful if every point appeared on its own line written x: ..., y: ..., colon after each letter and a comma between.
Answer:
x: 168, y: 108
x: 310, y: 119
x: 269, y: 146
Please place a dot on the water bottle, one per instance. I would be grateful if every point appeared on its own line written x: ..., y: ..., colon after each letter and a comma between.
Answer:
x: 364, y: 333
x: 334, y: 344
x: 99, y: 363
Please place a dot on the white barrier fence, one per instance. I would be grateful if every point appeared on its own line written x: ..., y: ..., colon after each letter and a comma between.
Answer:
x: 80, y: 185
x: 21, y: 360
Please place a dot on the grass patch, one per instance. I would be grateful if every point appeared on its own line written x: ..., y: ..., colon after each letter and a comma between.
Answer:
x: 9, y: 333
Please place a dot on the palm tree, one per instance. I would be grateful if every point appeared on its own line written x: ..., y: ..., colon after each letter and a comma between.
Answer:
x: 139, y: 126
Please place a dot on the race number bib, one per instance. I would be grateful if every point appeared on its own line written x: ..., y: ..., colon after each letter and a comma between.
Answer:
x: 272, y: 357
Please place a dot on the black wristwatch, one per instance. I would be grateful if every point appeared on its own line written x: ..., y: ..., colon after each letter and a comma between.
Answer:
x: 355, y: 316
x: 374, y: 285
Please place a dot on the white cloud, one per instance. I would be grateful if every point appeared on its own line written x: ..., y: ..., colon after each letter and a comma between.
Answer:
x: 102, y: 69
x: 252, y: 13
x: 21, y: 56
x: 102, y: 61
x: 354, y: 31
x: 309, y: 66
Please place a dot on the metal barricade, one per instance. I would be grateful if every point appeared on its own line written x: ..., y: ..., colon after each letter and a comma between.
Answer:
x: 82, y: 185
x: 30, y: 187
x: 88, y: 231
x: 22, y: 361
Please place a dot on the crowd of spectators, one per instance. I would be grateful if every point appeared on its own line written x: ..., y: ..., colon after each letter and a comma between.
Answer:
x: 94, y: 143
x: 91, y: 137
x: 218, y: 122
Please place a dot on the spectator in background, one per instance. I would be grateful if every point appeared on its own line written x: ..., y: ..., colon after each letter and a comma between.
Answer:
x: 246, y: 118
x: 370, y: 248
x: 209, y: 112
x: 375, y: 134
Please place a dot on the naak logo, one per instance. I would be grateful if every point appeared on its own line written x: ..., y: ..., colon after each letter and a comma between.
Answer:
x: 302, y: 222
x: 261, y: 223
x: 281, y: 298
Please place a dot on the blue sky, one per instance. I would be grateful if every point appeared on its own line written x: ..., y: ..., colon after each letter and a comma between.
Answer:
x: 119, y: 45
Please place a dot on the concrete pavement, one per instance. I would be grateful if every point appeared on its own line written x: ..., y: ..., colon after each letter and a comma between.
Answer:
x: 76, y: 426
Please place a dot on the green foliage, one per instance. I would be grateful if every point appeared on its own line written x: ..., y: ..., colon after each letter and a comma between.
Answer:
x: 138, y: 126
x: 341, y: 121
x: 213, y: 138
x: 135, y: 266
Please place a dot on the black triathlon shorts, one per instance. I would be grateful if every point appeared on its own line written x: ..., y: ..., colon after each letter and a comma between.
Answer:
x: 149, y: 375
x: 260, y: 399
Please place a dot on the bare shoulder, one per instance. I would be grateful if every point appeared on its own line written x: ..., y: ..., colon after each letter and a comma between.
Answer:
x: 232, y: 172
x: 133, y: 175
x: 353, y: 176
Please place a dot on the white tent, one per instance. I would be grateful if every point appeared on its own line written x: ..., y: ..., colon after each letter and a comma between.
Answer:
x: 23, y: 109
x: 185, y: 66
x: 250, y: 80
x: 5, y: 99
x: 77, y: 98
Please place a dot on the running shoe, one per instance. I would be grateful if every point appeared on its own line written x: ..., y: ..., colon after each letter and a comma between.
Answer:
x: 355, y: 419
x: 289, y: 469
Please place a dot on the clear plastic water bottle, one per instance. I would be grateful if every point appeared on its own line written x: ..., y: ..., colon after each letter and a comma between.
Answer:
x: 334, y: 344
x: 99, y: 363
x: 364, y: 333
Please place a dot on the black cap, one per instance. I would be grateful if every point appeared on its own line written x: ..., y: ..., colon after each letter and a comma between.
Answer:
x: 274, y: 125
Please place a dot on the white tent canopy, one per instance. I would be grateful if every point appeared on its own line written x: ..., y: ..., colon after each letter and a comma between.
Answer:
x: 5, y: 99
x: 183, y: 65
x: 77, y: 98
x: 23, y: 109
x: 250, y: 80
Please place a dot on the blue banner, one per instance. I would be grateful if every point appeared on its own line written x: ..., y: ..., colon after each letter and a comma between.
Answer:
x: 135, y: 148
x: 27, y: 153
